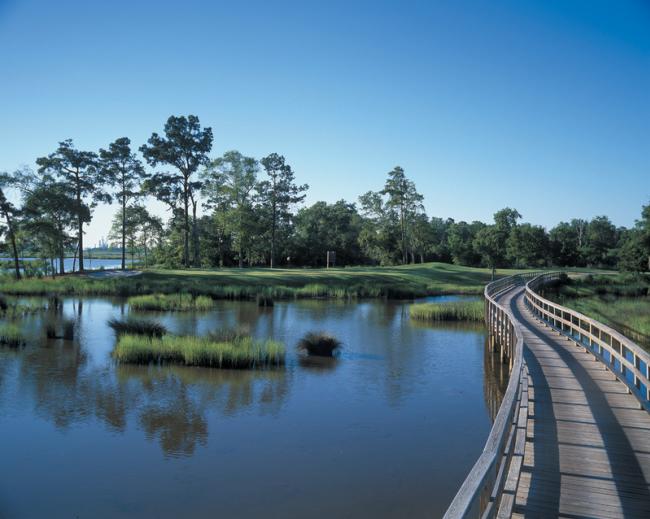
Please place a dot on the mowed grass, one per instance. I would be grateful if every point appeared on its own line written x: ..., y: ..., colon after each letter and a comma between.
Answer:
x: 448, y: 311
x: 239, y: 353
x: 167, y: 303
x: 400, y: 282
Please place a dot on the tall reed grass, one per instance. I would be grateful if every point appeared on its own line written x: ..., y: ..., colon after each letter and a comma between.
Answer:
x: 449, y: 311
x: 11, y: 335
x: 165, y: 303
x: 242, y: 353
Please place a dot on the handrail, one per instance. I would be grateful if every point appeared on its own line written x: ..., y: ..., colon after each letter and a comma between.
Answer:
x: 481, y: 492
x: 623, y: 357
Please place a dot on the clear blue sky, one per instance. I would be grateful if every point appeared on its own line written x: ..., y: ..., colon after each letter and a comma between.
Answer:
x: 481, y: 102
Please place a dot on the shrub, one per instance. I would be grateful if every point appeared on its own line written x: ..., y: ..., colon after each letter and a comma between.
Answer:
x: 134, y: 326
x: 319, y: 343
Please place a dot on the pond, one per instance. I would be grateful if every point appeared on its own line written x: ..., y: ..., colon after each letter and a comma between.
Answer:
x: 388, y: 429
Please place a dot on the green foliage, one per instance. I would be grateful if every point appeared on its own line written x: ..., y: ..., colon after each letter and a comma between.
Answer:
x: 78, y: 174
x: 320, y: 344
x: 134, y: 326
x: 166, y: 303
x: 449, y: 311
x: 239, y: 353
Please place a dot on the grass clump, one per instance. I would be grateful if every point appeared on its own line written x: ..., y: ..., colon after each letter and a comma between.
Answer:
x: 230, y: 334
x: 168, y: 303
x: 10, y: 335
x: 241, y: 353
x: 449, y: 311
x: 320, y: 344
x: 134, y: 326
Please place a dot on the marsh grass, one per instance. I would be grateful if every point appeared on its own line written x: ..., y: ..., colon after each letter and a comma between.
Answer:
x: 241, y: 353
x: 11, y: 335
x: 448, y: 311
x: 168, y: 302
x: 621, y: 301
x: 135, y: 326
x: 230, y: 334
x: 320, y: 344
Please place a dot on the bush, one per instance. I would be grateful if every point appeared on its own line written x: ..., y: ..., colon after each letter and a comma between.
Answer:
x: 319, y: 343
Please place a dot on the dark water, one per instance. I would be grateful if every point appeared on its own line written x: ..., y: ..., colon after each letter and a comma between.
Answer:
x: 389, y: 429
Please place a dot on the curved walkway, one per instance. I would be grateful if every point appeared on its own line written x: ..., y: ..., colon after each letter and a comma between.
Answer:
x: 587, y: 452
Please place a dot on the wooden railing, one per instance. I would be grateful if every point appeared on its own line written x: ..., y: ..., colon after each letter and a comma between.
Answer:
x: 624, y: 358
x: 490, y: 485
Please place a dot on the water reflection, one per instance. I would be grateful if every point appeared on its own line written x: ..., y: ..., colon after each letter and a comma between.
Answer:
x: 398, y: 417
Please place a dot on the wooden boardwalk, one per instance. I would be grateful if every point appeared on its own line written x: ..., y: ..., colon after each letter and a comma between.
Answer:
x: 587, y: 443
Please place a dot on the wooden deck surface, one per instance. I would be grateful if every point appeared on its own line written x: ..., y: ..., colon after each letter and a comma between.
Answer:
x: 587, y: 451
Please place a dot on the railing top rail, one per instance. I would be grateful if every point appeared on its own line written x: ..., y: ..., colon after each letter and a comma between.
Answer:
x: 465, y: 500
x: 622, y: 339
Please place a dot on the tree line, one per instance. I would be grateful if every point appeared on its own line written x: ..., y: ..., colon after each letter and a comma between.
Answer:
x: 250, y: 215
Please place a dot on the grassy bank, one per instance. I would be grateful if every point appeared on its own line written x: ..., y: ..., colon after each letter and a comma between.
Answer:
x: 620, y: 301
x: 451, y: 311
x: 239, y: 353
x: 393, y: 282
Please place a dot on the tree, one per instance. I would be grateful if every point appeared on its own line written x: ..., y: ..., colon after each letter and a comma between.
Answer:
x: 564, y: 245
x: 633, y: 256
x: 403, y: 197
x: 322, y: 227
x: 488, y: 242
x: 278, y: 194
x: 528, y: 246
x: 601, y: 239
x: 78, y: 172
x: 461, y: 242
x: 48, y: 213
x: 122, y: 169
x: 9, y: 213
x: 644, y: 226
x: 229, y: 182
x: 380, y: 230
x: 185, y: 147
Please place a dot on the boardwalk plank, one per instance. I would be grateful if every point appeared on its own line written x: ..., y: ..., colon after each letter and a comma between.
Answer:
x: 586, y: 445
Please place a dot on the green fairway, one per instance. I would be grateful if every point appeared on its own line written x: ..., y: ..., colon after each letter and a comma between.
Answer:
x: 434, y: 277
x: 401, y: 281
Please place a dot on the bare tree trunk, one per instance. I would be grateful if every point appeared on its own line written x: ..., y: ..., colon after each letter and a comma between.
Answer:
x: 81, y: 235
x: 12, y: 238
x: 195, y: 235
x: 123, y: 230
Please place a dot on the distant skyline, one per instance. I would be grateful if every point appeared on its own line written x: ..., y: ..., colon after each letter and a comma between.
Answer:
x: 480, y: 102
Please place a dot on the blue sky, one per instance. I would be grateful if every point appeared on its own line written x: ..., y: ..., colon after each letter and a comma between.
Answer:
x: 539, y: 105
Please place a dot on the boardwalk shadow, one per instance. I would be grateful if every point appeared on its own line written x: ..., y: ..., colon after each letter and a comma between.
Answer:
x: 543, y: 404
x: 623, y: 462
